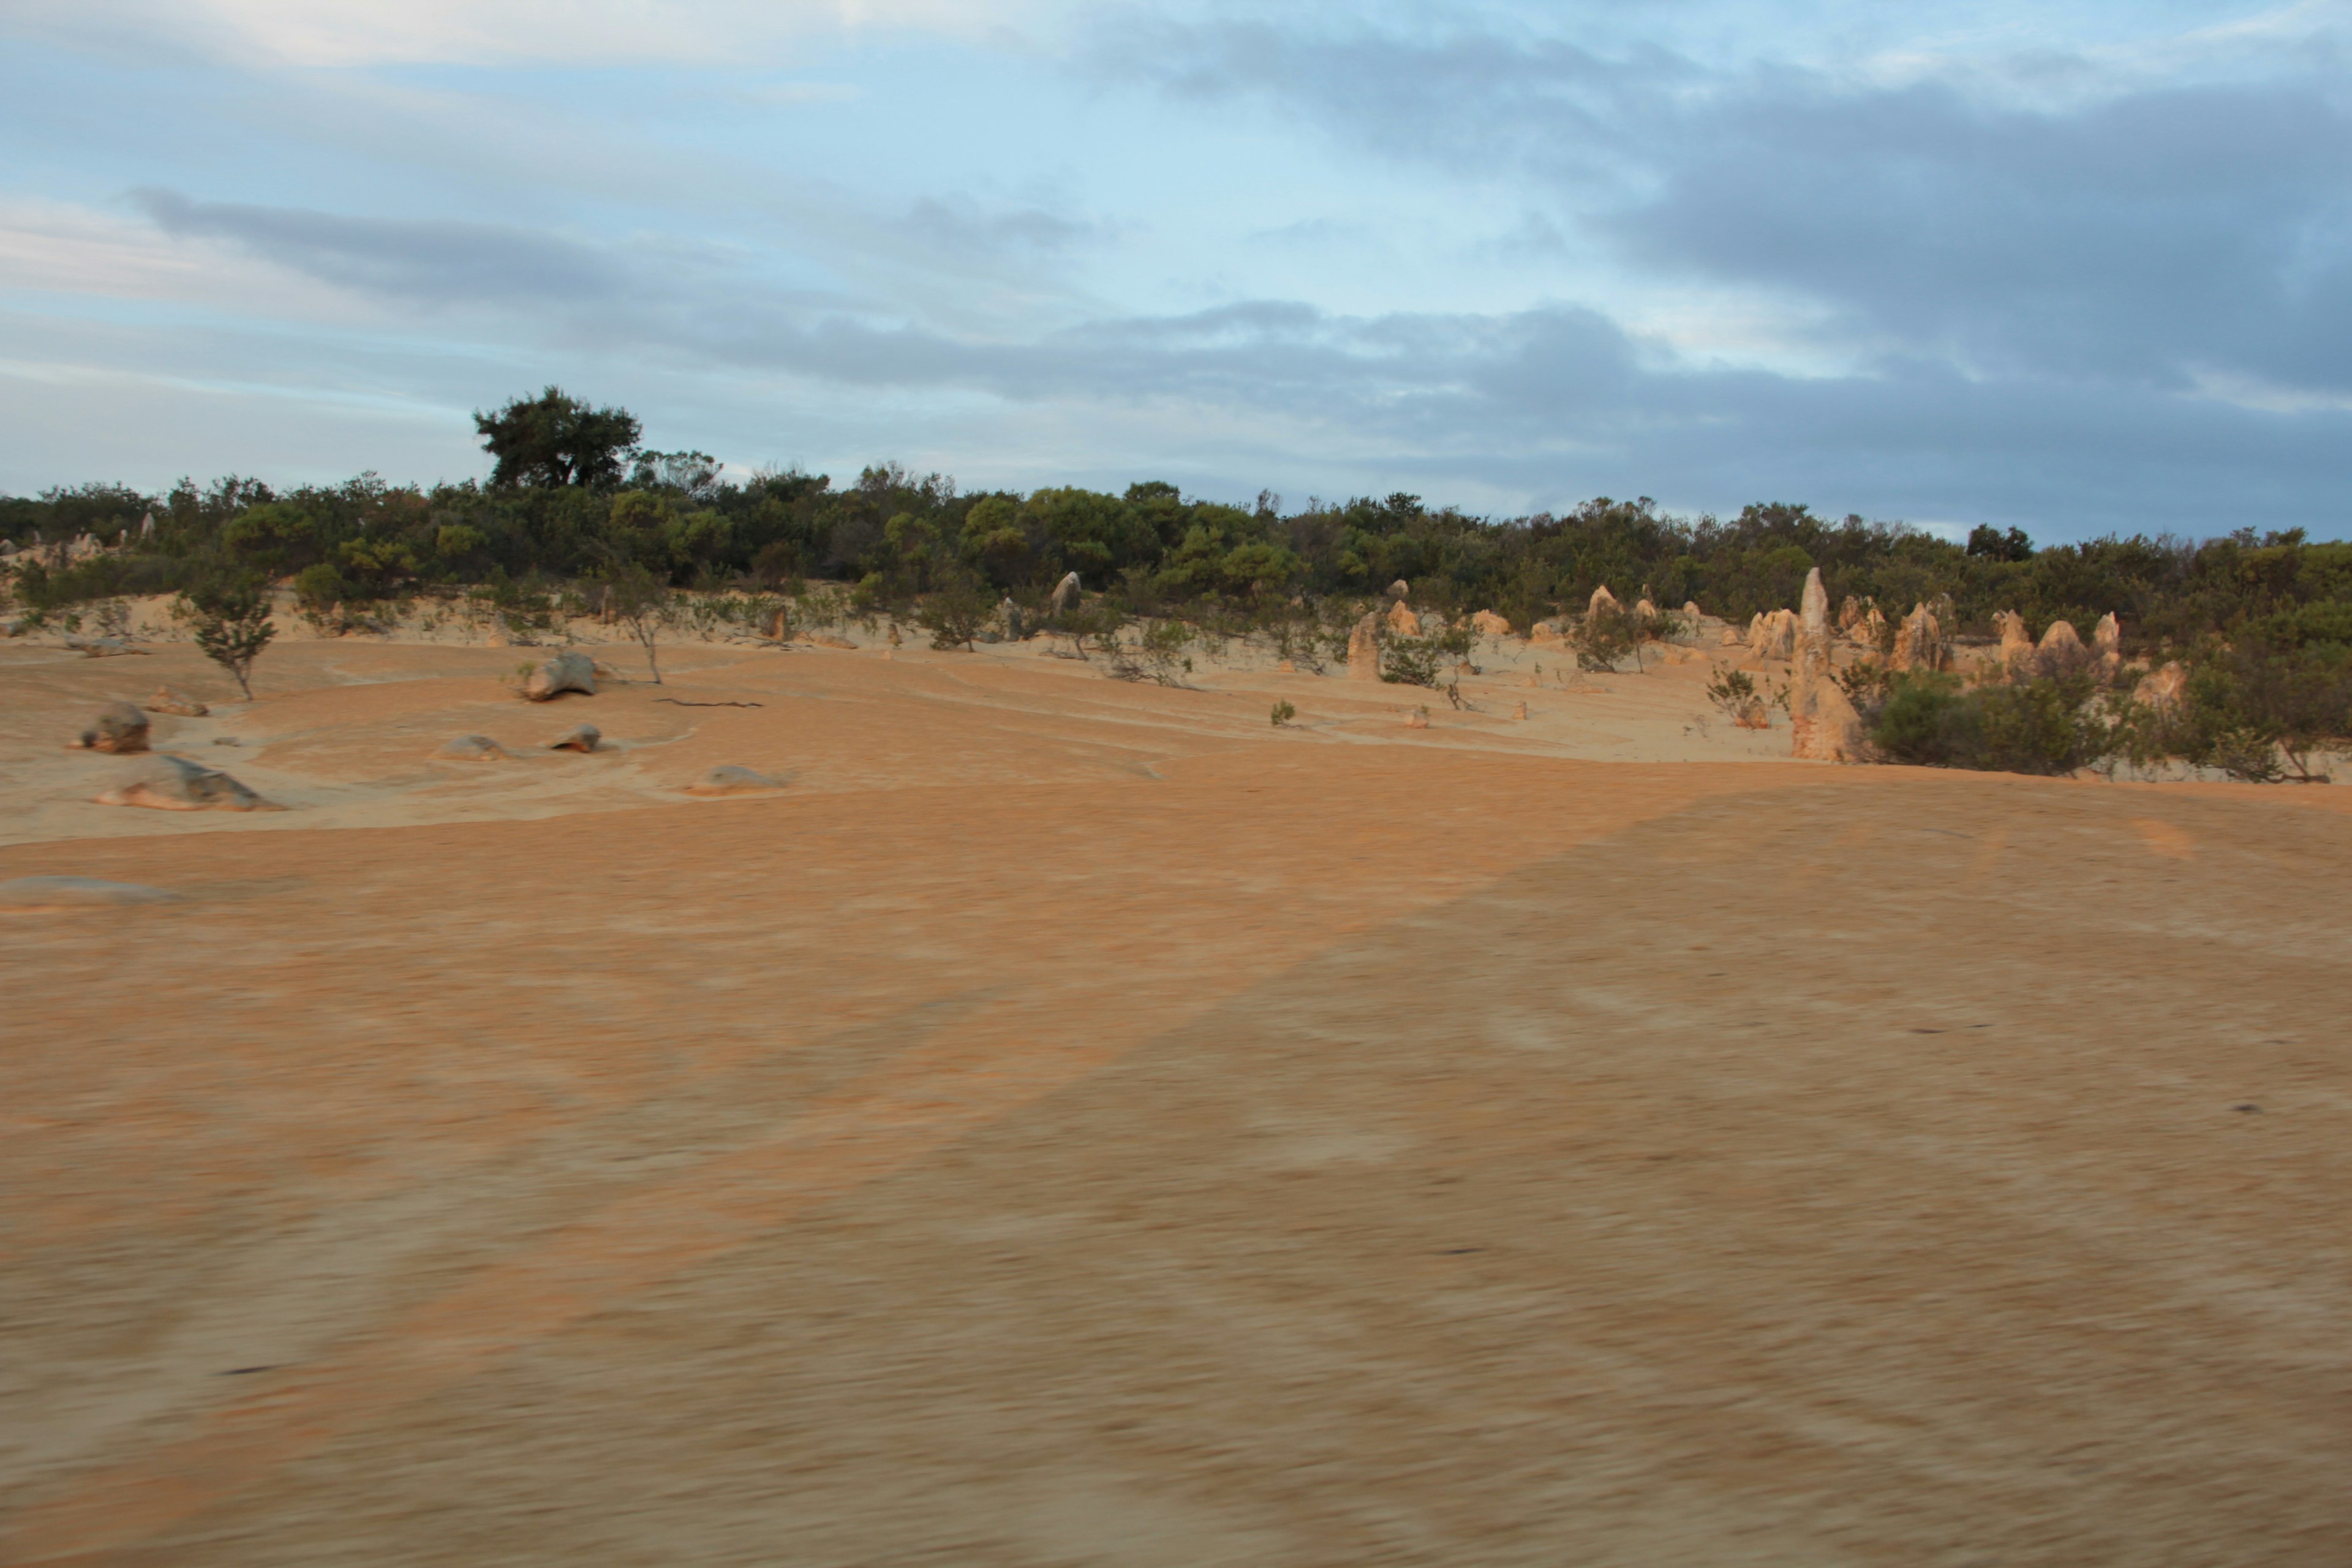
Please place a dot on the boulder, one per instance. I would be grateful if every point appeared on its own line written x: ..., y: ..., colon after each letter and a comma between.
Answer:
x: 1403, y: 621
x: 472, y: 749
x: 1488, y: 624
x: 729, y: 779
x: 1400, y: 589
x: 578, y: 738
x: 75, y: 892
x: 174, y: 783
x: 167, y: 701
x: 1364, y: 648
x: 2061, y: 637
x: 564, y: 672
x: 119, y: 727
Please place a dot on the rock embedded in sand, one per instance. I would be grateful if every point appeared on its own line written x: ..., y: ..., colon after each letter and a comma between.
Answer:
x: 1488, y: 624
x: 472, y: 749
x: 1403, y: 621
x: 578, y: 738
x: 178, y: 704
x: 564, y: 672
x: 1364, y: 648
x: 76, y: 892
x: 120, y: 728
x: 173, y: 784
x: 729, y: 779
x: 1824, y: 724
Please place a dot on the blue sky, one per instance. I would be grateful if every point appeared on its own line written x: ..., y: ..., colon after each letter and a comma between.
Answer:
x: 2073, y: 268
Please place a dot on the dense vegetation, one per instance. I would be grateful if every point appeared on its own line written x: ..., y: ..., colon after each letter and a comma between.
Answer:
x: 574, y: 500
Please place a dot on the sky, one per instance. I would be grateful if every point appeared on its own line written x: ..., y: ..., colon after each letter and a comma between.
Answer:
x: 2071, y: 266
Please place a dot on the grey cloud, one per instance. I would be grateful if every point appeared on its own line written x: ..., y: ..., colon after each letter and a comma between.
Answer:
x: 431, y: 261
x: 2138, y: 234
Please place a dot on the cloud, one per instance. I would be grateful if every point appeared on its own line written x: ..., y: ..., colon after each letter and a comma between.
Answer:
x: 2134, y: 231
x: 431, y: 261
x: 363, y: 33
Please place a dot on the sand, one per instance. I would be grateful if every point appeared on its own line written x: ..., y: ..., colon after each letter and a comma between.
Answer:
x: 1077, y: 1122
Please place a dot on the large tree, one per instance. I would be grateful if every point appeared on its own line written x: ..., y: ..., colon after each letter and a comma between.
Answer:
x: 556, y: 439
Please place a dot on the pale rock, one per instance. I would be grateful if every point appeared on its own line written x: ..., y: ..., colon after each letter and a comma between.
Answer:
x: 1364, y: 648
x: 1400, y: 589
x: 1644, y: 611
x: 1403, y: 621
x: 1520, y: 711
x: 2108, y: 636
x: 2016, y: 647
x: 1602, y: 602
x: 578, y: 738
x: 173, y: 784
x: 1824, y: 724
x: 1773, y: 635
x: 564, y: 672
x: 1064, y: 591
x: 729, y: 779
x: 1488, y: 624
x: 1919, y: 641
x: 1417, y: 719
x: 120, y: 728
x: 2162, y: 688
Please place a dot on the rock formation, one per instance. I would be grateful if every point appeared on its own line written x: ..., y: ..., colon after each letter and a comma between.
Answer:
x: 1602, y: 602
x: 174, y: 783
x: 1773, y: 635
x: 1417, y: 719
x: 471, y: 749
x: 1063, y: 592
x: 729, y: 779
x: 1824, y: 724
x: 1849, y: 616
x: 1520, y: 711
x: 119, y: 727
x: 1487, y: 623
x: 1364, y: 648
x: 1403, y: 621
x: 1871, y: 630
x: 1400, y: 589
x: 578, y: 738
x: 167, y: 701
x: 1919, y: 641
x: 2016, y: 647
x: 2061, y: 650
x: 2107, y: 639
x: 564, y: 672
x: 1813, y: 626
x: 2161, y: 688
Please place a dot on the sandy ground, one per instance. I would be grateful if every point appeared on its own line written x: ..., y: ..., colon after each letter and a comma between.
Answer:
x: 1075, y: 1122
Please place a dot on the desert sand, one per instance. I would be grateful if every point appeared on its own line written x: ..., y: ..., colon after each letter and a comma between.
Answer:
x: 1068, y: 1121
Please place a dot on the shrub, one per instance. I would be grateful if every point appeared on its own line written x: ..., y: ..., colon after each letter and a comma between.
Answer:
x: 1283, y: 714
x: 230, y: 621
x: 1734, y: 692
x: 954, y: 615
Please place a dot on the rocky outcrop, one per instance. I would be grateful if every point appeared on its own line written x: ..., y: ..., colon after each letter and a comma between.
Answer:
x: 1824, y: 723
x: 1919, y: 642
x: 2107, y: 642
x: 1364, y: 648
x: 1063, y: 592
x: 1813, y: 626
x: 1403, y: 621
x: 729, y: 779
x: 2016, y: 648
x: 1603, y: 603
x: 564, y: 672
x: 1773, y: 635
x: 2162, y: 688
x: 2061, y: 650
x: 119, y: 729
x: 174, y: 783
x: 167, y: 701
x: 578, y: 738
x: 1488, y: 624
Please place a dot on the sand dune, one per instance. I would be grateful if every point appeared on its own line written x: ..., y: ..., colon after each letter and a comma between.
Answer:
x: 1074, y: 1121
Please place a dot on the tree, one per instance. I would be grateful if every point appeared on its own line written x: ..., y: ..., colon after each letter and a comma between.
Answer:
x: 639, y: 601
x: 555, y: 440
x: 231, y: 624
